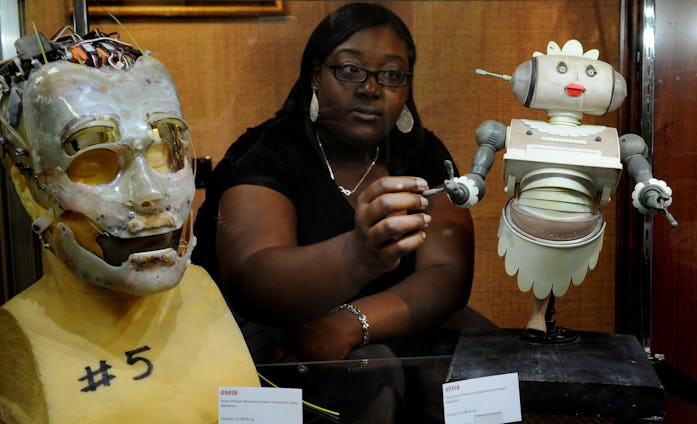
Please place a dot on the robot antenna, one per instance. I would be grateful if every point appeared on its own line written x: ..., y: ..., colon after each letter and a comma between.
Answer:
x: 502, y: 76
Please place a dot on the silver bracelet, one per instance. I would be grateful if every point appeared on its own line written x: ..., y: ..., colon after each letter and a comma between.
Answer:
x: 365, y: 326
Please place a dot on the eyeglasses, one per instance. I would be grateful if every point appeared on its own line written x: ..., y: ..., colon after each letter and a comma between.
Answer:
x: 352, y: 73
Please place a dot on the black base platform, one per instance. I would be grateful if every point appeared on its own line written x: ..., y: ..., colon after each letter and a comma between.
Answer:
x: 599, y: 375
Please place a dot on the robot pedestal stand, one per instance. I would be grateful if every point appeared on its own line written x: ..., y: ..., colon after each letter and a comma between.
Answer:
x: 554, y: 334
x: 566, y: 373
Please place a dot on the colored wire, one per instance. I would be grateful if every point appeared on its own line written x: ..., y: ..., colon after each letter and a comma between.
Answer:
x: 124, y: 28
x: 306, y: 403
x: 36, y: 32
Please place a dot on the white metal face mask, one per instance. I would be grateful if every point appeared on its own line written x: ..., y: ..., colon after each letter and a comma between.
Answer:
x: 109, y: 150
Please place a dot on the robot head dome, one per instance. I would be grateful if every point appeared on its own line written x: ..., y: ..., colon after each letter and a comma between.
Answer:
x: 98, y: 135
x: 567, y: 79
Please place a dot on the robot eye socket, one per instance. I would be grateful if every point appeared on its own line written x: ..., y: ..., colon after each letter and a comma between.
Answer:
x: 591, y: 71
x: 94, y: 167
x: 562, y: 68
x: 164, y: 157
x: 169, y: 153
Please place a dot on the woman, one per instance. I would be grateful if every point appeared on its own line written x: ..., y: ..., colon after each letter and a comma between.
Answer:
x: 324, y: 240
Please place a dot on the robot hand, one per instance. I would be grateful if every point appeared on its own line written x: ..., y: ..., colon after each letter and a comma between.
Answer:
x: 653, y: 196
x: 463, y: 191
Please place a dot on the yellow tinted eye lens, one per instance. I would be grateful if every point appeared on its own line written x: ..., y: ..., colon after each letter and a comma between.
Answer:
x: 158, y: 156
x: 94, y: 167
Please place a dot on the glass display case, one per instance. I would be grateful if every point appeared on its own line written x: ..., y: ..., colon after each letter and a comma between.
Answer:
x: 234, y: 71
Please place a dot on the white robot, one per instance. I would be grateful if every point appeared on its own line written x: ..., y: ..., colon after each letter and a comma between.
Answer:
x: 559, y: 172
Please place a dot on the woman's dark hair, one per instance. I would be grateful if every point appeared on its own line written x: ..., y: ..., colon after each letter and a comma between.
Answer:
x: 333, y: 30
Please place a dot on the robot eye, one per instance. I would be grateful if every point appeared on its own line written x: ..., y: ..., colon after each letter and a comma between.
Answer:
x: 590, y: 71
x: 169, y: 153
x: 163, y: 158
x: 562, y: 68
x: 94, y: 167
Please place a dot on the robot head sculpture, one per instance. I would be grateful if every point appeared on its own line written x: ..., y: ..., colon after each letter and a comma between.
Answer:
x: 566, y: 82
x: 95, y: 129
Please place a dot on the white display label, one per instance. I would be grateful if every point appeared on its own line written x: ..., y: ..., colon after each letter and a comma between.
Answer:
x: 485, y: 400
x: 259, y: 405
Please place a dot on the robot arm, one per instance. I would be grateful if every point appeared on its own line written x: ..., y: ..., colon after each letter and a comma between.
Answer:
x: 467, y: 190
x: 491, y: 137
x: 650, y: 195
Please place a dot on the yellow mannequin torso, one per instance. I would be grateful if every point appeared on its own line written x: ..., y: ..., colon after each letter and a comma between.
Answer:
x: 74, y: 352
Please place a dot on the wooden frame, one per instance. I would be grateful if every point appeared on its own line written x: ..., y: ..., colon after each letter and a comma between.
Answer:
x: 181, y: 8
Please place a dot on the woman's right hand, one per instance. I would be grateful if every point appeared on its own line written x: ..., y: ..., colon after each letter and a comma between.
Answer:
x: 389, y: 223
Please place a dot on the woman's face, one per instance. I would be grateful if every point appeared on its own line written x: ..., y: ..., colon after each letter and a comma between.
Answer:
x: 362, y: 112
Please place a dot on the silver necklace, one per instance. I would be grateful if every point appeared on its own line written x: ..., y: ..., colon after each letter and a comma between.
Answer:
x: 346, y: 191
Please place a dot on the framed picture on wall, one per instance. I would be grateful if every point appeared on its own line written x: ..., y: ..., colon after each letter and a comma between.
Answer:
x: 190, y: 8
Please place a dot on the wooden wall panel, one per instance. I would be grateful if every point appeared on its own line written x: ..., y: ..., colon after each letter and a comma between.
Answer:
x: 675, y: 158
x: 232, y: 73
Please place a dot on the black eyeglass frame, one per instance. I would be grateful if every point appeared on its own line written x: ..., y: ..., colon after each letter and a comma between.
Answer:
x: 368, y: 74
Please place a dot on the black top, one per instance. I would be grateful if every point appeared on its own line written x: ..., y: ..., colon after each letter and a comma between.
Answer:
x: 278, y: 154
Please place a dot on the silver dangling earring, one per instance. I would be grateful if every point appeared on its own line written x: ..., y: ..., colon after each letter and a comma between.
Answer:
x: 405, y: 122
x: 314, y: 105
